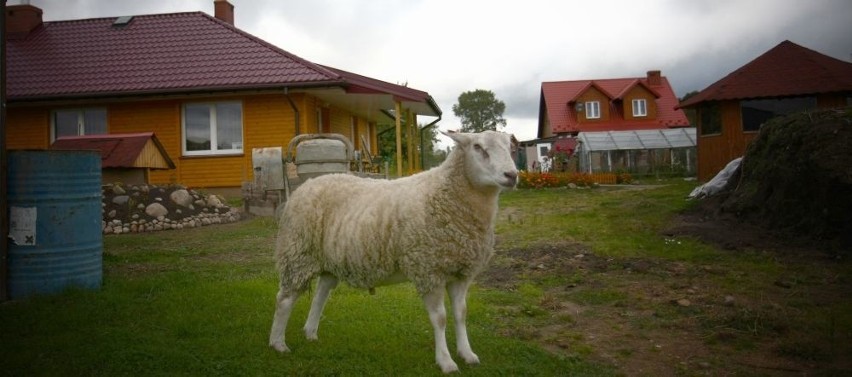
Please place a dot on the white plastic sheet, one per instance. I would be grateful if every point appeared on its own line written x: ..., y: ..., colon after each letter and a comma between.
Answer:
x: 715, y: 185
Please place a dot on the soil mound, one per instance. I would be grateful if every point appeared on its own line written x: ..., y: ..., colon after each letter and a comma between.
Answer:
x: 795, y: 182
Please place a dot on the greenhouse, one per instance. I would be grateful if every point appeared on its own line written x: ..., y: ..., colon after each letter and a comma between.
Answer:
x: 641, y: 152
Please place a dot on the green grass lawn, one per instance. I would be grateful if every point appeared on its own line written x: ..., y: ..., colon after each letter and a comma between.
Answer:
x: 200, y: 302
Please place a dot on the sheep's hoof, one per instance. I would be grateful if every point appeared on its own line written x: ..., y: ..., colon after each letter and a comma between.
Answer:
x: 311, y: 334
x: 470, y: 358
x: 280, y: 347
x: 449, y: 367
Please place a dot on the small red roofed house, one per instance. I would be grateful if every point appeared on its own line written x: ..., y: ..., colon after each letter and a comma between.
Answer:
x: 125, y: 158
x: 568, y: 108
x: 786, y: 79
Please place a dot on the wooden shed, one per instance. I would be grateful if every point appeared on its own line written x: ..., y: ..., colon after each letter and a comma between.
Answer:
x: 125, y: 158
x: 786, y: 79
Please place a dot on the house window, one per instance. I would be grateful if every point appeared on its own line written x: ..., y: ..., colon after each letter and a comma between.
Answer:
x: 212, y: 128
x: 77, y: 122
x: 593, y: 110
x: 710, y: 118
x: 640, y: 108
x: 756, y: 112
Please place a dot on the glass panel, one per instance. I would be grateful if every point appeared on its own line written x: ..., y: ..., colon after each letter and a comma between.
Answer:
x: 593, y: 110
x: 639, y: 107
x: 197, y: 127
x: 94, y: 122
x: 756, y: 112
x: 229, y: 129
x: 65, y: 123
x: 711, y: 119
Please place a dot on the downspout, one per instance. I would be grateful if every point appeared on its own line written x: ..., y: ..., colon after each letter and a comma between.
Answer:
x: 295, y: 110
x: 422, y: 131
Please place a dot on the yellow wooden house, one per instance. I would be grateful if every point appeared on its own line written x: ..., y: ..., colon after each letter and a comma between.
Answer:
x: 209, y: 91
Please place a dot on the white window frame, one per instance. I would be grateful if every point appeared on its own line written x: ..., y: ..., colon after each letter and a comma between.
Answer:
x: 214, y: 148
x: 81, y: 124
x: 640, y: 107
x: 593, y: 109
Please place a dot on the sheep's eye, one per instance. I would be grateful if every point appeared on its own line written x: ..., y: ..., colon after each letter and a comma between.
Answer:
x: 479, y: 149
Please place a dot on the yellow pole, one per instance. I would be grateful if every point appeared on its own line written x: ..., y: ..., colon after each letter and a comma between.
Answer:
x: 399, y: 139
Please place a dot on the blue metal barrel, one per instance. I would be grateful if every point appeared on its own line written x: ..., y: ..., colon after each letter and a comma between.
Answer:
x: 55, y: 239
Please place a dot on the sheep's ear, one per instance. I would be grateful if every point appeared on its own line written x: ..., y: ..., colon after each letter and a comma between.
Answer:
x: 458, y: 137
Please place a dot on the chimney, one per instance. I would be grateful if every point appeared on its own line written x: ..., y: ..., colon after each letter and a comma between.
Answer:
x: 654, y: 78
x: 224, y: 11
x: 22, y: 19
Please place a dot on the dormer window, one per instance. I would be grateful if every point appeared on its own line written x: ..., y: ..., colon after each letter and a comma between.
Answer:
x: 640, y: 107
x: 593, y: 110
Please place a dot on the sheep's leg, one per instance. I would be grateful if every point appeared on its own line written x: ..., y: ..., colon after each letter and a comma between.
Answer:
x: 438, y: 316
x: 285, y: 300
x: 458, y: 298
x: 324, y: 286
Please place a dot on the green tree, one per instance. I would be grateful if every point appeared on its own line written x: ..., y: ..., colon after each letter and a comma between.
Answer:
x: 430, y: 158
x: 690, y: 112
x: 480, y: 110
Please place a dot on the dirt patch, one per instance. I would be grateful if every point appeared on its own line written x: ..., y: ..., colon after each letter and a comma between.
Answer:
x: 794, y: 188
x: 652, y: 317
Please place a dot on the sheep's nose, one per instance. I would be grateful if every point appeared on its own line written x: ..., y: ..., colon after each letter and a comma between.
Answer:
x: 513, y: 177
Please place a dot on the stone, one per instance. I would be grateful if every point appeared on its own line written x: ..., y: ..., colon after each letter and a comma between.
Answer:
x: 141, y: 206
x: 111, y: 214
x: 214, y: 201
x: 118, y: 190
x: 120, y: 199
x: 156, y: 210
x: 181, y: 197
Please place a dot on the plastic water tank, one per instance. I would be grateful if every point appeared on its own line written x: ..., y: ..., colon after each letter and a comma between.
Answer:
x: 321, y: 156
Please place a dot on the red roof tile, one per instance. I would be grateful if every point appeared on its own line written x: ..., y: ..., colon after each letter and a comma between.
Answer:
x: 117, y: 150
x: 176, y: 52
x: 557, y: 95
x: 787, y: 69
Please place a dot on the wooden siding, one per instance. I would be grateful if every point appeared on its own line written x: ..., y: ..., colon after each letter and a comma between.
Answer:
x: 28, y: 128
x: 150, y: 157
x: 593, y: 94
x: 268, y: 121
x: 162, y: 117
x: 715, y: 151
x: 639, y: 92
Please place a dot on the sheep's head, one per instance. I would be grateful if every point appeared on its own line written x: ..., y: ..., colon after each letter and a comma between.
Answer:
x: 488, y: 158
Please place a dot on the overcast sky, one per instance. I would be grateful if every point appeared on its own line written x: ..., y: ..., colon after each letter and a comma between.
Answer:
x: 446, y: 47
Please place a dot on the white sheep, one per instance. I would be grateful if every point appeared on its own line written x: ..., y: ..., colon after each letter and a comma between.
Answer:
x: 435, y: 229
